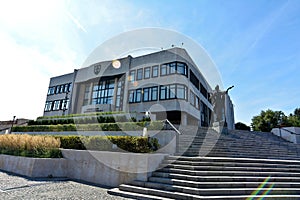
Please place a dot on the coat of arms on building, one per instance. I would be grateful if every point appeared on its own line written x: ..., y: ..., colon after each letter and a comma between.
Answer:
x: 97, y: 69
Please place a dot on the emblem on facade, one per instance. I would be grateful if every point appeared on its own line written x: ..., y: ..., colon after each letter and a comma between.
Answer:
x: 97, y: 69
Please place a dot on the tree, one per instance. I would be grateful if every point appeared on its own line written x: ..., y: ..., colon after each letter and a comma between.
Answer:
x: 242, y: 126
x: 268, y: 119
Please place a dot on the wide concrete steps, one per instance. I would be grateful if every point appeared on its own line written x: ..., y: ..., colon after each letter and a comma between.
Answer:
x: 218, y: 178
x: 206, y: 142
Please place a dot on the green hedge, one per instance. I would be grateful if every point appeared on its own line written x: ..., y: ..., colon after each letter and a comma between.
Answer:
x: 125, y: 126
x: 105, y: 143
x: 81, y: 120
x: 81, y: 115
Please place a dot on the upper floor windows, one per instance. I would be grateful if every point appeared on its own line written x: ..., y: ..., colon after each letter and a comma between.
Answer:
x: 194, y: 79
x: 155, y: 71
x: 173, y: 91
x: 132, y: 75
x: 173, y: 68
x: 147, y: 72
x: 58, y: 89
x: 139, y: 74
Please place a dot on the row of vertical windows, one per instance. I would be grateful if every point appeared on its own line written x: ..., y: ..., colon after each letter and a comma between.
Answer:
x: 165, y: 69
x: 173, y: 68
x: 58, y: 89
x: 145, y: 73
x: 173, y: 91
x: 103, y: 92
x: 195, y: 81
x: 61, y: 104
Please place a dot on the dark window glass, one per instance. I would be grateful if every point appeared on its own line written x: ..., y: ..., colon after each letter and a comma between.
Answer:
x: 154, y: 93
x: 51, y: 90
x: 62, y: 88
x: 155, y: 71
x: 172, y: 67
x: 56, y: 105
x: 172, y: 92
x: 147, y: 72
x: 132, y: 76
x: 194, y: 79
x: 146, y: 94
x: 138, y: 95
x: 139, y: 75
x: 203, y: 91
x: 163, y: 70
x: 48, y: 106
x: 181, y: 68
x: 163, y: 92
x: 181, y: 92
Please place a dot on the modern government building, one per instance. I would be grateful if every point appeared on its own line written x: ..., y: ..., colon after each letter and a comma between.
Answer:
x: 167, y: 83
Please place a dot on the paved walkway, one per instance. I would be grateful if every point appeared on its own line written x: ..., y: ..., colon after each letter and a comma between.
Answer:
x: 16, y: 187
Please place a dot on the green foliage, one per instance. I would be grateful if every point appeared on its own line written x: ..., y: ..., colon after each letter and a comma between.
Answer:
x: 271, y: 119
x: 105, y: 143
x: 242, y: 126
x: 123, y: 126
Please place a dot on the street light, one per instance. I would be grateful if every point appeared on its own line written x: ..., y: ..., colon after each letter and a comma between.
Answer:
x: 12, y: 124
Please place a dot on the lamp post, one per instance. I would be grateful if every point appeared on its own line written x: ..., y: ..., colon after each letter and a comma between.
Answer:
x: 12, y: 124
x: 226, y: 93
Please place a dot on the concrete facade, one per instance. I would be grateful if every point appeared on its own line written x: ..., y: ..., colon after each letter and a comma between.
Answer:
x: 168, y: 83
x: 105, y: 168
x: 291, y: 134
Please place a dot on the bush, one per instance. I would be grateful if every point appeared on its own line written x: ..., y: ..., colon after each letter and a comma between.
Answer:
x: 30, y: 146
x: 123, y: 126
x: 105, y: 143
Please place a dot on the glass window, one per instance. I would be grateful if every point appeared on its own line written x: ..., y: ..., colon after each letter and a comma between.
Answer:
x: 147, y: 72
x: 139, y: 74
x: 192, y: 98
x: 172, y: 68
x: 57, y: 89
x: 172, y: 92
x: 138, y: 95
x: 154, y: 93
x: 132, y: 76
x: 56, y: 105
x: 48, y: 106
x: 181, y: 68
x: 155, y: 71
x: 163, y: 92
x: 131, y: 96
x: 194, y: 79
x: 146, y: 94
x: 163, y: 70
x: 62, y: 88
x: 197, y: 100
x: 180, y: 93
x: 51, y: 90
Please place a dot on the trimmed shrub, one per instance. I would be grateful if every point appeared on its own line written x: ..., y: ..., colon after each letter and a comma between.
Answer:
x: 105, y: 143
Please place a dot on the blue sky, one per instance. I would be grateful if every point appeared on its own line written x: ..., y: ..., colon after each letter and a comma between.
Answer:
x: 255, y: 45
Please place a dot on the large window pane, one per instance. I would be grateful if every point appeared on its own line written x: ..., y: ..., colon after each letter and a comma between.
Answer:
x: 172, y: 92
x: 155, y: 71
x: 147, y: 72
x: 132, y: 76
x: 139, y: 75
x: 138, y: 95
x: 163, y: 70
x: 154, y: 94
x: 146, y: 94
x: 181, y: 91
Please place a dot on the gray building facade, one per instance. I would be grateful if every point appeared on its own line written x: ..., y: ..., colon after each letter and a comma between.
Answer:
x: 168, y: 83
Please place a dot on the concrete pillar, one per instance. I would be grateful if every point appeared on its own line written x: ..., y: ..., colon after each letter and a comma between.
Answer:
x: 183, y: 118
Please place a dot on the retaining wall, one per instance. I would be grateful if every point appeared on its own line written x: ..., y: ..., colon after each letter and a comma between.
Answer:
x: 105, y: 168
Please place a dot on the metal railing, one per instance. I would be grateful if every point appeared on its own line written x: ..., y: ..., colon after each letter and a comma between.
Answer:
x: 175, y: 129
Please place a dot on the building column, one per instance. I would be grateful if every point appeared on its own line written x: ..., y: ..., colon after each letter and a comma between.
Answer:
x: 183, y: 118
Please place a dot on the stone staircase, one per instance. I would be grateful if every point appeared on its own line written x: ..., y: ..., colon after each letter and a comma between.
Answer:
x: 238, y: 165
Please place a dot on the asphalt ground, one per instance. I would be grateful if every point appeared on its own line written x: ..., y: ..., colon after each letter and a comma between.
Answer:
x: 14, y: 187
